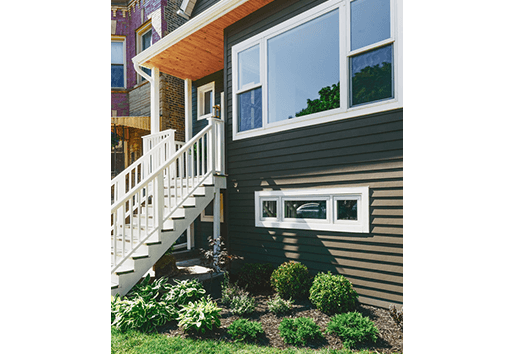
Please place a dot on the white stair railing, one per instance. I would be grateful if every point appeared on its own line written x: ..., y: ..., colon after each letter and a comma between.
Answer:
x: 141, y: 213
x: 136, y: 172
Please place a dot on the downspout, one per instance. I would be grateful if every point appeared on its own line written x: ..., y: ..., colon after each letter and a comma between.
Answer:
x: 155, y: 125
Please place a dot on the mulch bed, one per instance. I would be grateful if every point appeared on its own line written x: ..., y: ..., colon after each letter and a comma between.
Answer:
x: 390, y: 337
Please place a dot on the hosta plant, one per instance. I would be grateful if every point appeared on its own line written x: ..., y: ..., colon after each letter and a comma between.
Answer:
x: 298, y: 331
x: 353, y: 328
x: 242, y: 304
x: 245, y: 330
x: 199, y: 315
x: 141, y: 314
x: 183, y: 292
x: 291, y: 279
x: 278, y: 305
x: 332, y: 293
x: 148, y: 290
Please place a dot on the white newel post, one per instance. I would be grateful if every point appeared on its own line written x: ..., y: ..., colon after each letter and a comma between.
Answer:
x: 155, y: 102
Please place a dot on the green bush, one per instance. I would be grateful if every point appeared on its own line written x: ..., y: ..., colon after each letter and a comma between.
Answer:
x: 244, y: 330
x: 298, y: 331
x: 279, y: 305
x: 352, y: 328
x: 242, y: 304
x: 141, y: 314
x: 200, y: 315
x: 183, y: 292
x: 332, y: 293
x: 291, y: 279
x: 255, y: 276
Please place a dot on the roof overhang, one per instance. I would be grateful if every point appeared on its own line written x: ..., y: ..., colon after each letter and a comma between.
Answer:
x: 195, y: 49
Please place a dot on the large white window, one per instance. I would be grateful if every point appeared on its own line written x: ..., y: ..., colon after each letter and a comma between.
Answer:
x: 336, y: 209
x: 337, y: 60
x: 118, y: 63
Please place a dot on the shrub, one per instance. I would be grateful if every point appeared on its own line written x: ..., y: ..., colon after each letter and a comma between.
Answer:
x: 183, y: 292
x: 243, y: 330
x: 141, y: 314
x: 332, y: 293
x: 352, y: 328
x: 396, y: 315
x: 298, y: 331
x: 200, y: 315
x: 291, y: 279
x: 279, y: 305
x: 255, y: 276
x: 242, y: 304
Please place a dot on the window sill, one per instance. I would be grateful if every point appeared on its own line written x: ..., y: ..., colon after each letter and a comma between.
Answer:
x: 319, y: 118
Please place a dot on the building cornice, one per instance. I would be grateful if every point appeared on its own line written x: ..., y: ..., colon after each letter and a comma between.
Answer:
x: 130, y: 7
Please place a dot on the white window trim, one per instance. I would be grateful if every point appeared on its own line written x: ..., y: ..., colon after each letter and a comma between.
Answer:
x: 331, y: 195
x: 344, y: 111
x: 139, y: 42
x: 200, y: 100
x: 122, y: 39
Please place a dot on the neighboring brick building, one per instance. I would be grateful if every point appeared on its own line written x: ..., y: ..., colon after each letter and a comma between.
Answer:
x: 135, y: 25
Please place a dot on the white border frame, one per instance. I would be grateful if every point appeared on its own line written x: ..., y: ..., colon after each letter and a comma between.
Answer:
x: 344, y: 111
x: 200, y: 100
x: 331, y: 195
x: 122, y: 40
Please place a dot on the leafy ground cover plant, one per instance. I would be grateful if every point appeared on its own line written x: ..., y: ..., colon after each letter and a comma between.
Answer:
x: 332, y: 293
x: 148, y: 290
x: 242, y: 304
x: 182, y: 293
x: 291, y: 279
x: 230, y: 290
x: 278, y: 305
x: 255, y: 276
x: 298, y: 331
x: 143, y: 314
x: 199, y: 315
x: 396, y: 315
x: 353, y: 328
x: 245, y: 330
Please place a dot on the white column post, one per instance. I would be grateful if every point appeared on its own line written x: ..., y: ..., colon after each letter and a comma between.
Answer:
x: 216, y: 234
x: 155, y: 114
x: 188, y: 109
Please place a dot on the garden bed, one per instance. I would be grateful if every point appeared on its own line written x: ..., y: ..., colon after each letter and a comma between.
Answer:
x: 390, y: 337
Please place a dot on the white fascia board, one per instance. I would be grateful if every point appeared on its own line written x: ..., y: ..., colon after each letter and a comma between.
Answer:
x: 211, y: 14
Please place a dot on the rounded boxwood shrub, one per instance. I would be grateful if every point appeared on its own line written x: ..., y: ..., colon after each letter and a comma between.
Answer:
x: 297, y: 331
x: 291, y: 279
x: 353, y: 328
x: 255, y: 276
x: 332, y: 293
x: 243, y: 330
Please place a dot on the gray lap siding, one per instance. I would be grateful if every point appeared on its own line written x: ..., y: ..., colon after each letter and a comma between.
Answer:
x: 361, y: 151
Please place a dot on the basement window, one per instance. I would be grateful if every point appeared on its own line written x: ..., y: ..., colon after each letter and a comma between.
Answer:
x: 336, y: 209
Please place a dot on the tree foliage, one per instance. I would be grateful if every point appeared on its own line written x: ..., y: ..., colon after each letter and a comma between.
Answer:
x: 372, y: 83
x: 328, y: 99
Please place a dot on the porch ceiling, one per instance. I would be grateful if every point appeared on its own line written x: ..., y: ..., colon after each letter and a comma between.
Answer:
x: 196, y: 50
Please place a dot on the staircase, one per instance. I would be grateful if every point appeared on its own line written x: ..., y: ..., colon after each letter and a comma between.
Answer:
x: 156, y: 198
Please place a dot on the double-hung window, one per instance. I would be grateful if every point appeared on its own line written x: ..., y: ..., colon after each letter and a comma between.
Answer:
x: 144, y: 41
x: 117, y: 63
x: 334, y: 61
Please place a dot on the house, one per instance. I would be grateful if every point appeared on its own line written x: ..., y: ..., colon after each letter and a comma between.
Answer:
x: 308, y: 148
x: 135, y: 26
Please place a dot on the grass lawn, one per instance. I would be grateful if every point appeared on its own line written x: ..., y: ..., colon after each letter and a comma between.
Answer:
x: 135, y: 342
